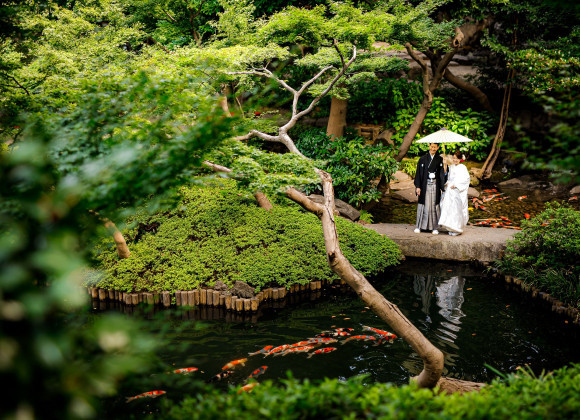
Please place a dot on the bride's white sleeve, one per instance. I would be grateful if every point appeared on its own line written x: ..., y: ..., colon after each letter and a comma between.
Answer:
x: 462, y: 179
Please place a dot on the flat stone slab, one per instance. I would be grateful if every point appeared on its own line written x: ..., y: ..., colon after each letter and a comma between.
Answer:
x: 475, y: 244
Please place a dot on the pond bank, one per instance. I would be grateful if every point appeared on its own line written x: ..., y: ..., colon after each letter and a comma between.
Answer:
x: 475, y: 244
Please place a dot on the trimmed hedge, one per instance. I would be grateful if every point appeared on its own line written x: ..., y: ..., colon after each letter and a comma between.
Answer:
x: 519, y: 396
x: 217, y: 233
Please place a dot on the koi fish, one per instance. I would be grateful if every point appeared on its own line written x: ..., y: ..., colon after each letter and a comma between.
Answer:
x: 481, y: 207
x: 382, y: 333
x: 359, y: 337
x: 303, y: 349
x: 221, y: 375
x: 527, y: 215
x: 343, y: 329
x: 150, y: 394
x: 321, y: 351
x: 575, y: 198
x: 186, y: 370
x: 258, y: 372
x: 300, y: 344
x: 490, y: 191
x: 521, y: 197
x: 501, y: 198
x: 277, y: 350
x: 506, y: 219
x: 248, y: 387
x: 262, y: 351
x: 484, y: 223
x: 318, y: 341
x: 234, y: 363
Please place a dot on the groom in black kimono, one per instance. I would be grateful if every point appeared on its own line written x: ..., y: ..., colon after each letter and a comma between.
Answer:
x: 429, y: 184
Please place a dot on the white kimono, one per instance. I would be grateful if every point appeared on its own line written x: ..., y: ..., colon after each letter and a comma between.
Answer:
x: 454, y: 213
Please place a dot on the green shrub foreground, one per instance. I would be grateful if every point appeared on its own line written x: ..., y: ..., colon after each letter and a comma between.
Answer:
x: 217, y: 233
x: 545, y: 253
x: 518, y: 396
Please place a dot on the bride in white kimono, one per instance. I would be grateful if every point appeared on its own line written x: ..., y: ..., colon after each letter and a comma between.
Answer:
x: 454, y: 213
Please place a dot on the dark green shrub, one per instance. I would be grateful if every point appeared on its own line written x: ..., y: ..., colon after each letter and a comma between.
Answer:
x: 546, y: 253
x: 354, y: 165
x: 519, y: 396
x: 216, y: 233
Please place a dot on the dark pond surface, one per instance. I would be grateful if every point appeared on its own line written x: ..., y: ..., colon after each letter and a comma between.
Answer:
x: 472, y: 319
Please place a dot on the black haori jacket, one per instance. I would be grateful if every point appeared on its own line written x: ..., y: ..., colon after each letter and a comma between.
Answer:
x: 424, y: 166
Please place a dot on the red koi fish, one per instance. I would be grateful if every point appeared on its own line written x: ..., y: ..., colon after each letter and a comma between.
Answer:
x: 150, y: 394
x: 303, y: 349
x: 521, y: 197
x: 506, y: 219
x: 277, y: 350
x: 258, y: 372
x: 234, y: 363
x: 527, y: 215
x: 483, y: 223
x: 575, y: 198
x: 359, y: 337
x: 221, y: 375
x: 343, y: 329
x: 248, y: 387
x: 186, y: 371
x: 321, y: 351
x: 262, y: 351
x: 501, y: 198
x: 300, y: 344
x: 384, y: 334
x: 490, y: 191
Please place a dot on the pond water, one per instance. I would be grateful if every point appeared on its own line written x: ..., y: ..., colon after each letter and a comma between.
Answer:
x: 473, y: 319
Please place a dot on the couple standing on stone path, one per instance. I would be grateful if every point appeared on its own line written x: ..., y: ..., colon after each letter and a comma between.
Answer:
x: 433, y: 175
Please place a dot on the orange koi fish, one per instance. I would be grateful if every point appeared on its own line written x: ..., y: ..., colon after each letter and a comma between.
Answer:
x: 359, y: 337
x: 303, y: 349
x: 248, y: 387
x: 321, y: 351
x: 506, y: 219
x: 221, y: 375
x: 278, y: 349
x: 150, y: 394
x: 300, y: 344
x: 258, y: 372
x: 382, y: 333
x: 575, y: 198
x: 501, y: 198
x: 234, y: 363
x: 262, y: 351
x: 343, y: 329
x: 490, y: 191
x: 186, y: 370
x: 521, y: 197
x: 527, y: 215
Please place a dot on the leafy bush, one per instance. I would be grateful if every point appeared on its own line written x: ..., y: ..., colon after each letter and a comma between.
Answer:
x: 520, y: 395
x: 373, y: 101
x: 217, y: 233
x: 409, y: 166
x: 353, y: 164
x: 546, y: 252
x: 469, y: 123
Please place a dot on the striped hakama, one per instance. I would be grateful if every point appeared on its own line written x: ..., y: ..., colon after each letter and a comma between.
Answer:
x: 428, y: 213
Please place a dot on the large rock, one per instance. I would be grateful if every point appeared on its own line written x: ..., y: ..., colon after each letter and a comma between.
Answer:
x: 472, y: 192
x: 220, y: 286
x: 407, y: 195
x: 344, y: 209
x: 514, y: 182
x: 575, y: 190
x: 403, y: 185
x: 242, y: 289
x: 400, y: 176
x: 475, y: 244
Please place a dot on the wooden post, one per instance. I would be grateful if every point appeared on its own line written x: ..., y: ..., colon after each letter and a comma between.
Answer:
x: 216, y: 298
x: 203, y: 297
x: 166, y: 299
x: 149, y: 298
x: 196, y: 297
x: 239, y: 305
x: 275, y: 294
x: 222, y: 299
x: 229, y: 299
x: 178, y: 297
x: 102, y: 294
x: 281, y: 292
x: 190, y: 298
x: 254, y: 302
x: 134, y: 299
x: 247, y: 305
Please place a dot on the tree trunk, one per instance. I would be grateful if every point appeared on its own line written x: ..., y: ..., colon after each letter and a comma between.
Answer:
x: 415, y: 126
x: 122, y: 248
x: 337, y: 119
x: 387, y: 311
x: 223, y: 101
x: 263, y: 201
x: 473, y: 90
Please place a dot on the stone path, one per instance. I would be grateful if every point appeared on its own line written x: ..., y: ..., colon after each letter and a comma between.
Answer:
x: 475, y: 244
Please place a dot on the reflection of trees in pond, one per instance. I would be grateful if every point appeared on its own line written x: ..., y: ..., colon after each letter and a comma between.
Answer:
x: 449, y: 299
